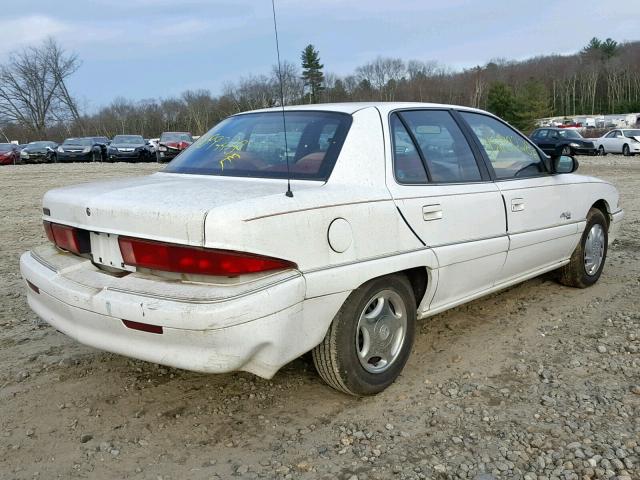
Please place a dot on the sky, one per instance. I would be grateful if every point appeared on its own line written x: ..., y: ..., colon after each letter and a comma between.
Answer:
x: 140, y: 49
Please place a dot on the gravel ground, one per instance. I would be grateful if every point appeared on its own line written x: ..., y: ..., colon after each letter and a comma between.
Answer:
x: 537, y: 382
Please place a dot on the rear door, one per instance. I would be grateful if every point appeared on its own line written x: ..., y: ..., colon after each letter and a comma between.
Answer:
x: 447, y: 198
x: 540, y: 206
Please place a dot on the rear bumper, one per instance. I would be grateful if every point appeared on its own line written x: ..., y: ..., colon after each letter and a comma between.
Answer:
x: 74, y: 157
x: 123, y: 157
x: 168, y: 155
x: 255, y: 326
x: 585, y: 151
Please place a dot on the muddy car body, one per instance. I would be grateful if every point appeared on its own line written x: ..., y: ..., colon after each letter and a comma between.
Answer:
x: 399, y: 211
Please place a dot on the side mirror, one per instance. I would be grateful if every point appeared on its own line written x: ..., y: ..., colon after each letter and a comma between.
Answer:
x: 564, y: 164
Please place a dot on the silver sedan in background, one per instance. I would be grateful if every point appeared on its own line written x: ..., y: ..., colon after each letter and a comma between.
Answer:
x: 620, y: 140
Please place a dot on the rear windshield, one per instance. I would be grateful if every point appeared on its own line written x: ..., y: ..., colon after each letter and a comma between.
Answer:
x: 253, y: 145
x: 569, y: 134
x: 5, y: 147
x: 78, y: 141
x: 132, y: 139
x: 176, y: 137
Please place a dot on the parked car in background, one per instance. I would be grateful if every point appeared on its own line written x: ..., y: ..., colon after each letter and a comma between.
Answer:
x: 104, y: 143
x: 407, y: 210
x: 39, y: 152
x: 82, y: 149
x: 171, y: 144
x: 562, y: 141
x: 9, y: 154
x: 128, y: 148
x: 621, y: 140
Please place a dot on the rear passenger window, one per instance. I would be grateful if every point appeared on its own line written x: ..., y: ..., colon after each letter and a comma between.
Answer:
x: 407, y: 164
x: 441, y: 144
x: 510, y: 154
x: 541, y: 134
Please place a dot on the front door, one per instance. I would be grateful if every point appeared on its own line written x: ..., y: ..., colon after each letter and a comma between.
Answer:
x: 447, y: 198
x: 541, y: 208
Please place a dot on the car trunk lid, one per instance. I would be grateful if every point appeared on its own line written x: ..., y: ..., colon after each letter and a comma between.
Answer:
x: 163, y: 206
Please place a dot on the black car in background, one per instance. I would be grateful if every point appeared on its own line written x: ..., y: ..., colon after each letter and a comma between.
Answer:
x: 39, y: 152
x: 84, y: 149
x: 128, y: 148
x: 562, y: 141
x: 104, y: 143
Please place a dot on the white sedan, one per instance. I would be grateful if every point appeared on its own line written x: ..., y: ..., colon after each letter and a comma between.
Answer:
x: 620, y: 140
x: 397, y: 211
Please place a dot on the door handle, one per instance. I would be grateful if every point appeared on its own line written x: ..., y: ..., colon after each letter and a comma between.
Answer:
x: 517, y: 204
x: 432, y: 212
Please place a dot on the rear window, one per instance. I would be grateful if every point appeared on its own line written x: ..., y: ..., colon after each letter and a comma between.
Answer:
x: 78, y: 141
x: 132, y: 139
x: 176, y: 137
x: 253, y: 145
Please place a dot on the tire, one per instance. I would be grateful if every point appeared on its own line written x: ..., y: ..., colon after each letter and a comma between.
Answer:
x: 601, y: 151
x: 578, y: 273
x: 566, y: 150
x: 93, y: 157
x: 625, y: 150
x: 337, y: 360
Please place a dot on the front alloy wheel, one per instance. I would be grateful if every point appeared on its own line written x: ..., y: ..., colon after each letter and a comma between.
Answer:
x: 370, y: 338
x: 587, y: 261
x: 566, y: 150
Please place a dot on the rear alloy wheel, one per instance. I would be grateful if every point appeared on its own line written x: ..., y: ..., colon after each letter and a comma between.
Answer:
x: 587, y: 261
x: 370, y: 338
x: 601, y: 151
x: 625, y: 150
x: 566, y: 150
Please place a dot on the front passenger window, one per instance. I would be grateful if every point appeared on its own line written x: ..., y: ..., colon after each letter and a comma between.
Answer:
x: 510, y: 154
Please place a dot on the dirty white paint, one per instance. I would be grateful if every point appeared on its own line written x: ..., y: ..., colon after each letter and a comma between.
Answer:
x: 340, y: 233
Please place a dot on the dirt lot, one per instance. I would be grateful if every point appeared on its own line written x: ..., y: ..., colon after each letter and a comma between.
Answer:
x: 537, y: 382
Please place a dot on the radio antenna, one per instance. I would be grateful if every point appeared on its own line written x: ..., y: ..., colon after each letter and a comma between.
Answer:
x: 288, y: 193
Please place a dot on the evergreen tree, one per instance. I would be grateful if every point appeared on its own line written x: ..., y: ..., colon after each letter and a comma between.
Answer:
x: 312, y: 75
x: 502, y: 102
x: 533, y: 103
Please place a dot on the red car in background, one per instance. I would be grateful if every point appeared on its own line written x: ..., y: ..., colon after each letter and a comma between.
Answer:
x: 171, y: 144
x: 9, y: 154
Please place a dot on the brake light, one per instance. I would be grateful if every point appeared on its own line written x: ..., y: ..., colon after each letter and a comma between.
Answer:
x: 205, y: 261
x: 68, y: 238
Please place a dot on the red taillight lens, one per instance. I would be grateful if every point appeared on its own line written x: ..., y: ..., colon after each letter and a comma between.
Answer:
x: 205, y: 261
x: 68, y: 238
x: 49, y: 231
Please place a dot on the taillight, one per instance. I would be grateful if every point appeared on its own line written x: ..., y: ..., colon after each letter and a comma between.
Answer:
x: 205, y: 261
x: 68, y: 238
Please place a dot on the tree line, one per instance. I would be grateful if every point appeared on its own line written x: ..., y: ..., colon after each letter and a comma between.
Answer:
x: 604, y: 77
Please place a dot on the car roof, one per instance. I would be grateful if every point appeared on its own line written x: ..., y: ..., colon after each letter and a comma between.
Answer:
x: 353, y: 107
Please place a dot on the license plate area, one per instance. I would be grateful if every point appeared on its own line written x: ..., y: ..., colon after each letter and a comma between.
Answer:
x: 106, y: 251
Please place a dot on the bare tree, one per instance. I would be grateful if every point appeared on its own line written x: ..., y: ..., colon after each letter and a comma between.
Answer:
x: 33, y: 92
